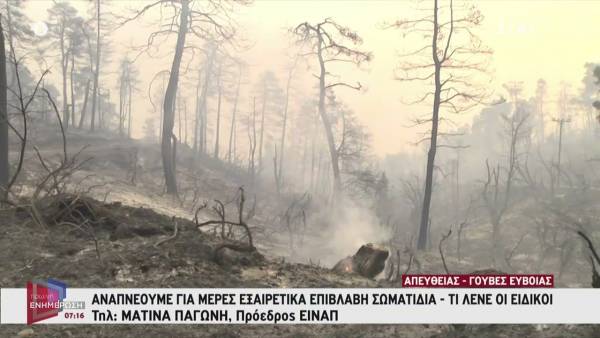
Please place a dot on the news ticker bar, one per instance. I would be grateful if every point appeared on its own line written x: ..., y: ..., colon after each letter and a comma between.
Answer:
x: 307, y: 306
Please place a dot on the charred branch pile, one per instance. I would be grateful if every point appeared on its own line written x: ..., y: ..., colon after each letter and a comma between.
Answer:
x: 235, y: 247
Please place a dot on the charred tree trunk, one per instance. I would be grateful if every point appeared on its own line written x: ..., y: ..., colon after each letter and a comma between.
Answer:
x: 197, y: 114
x: 203, y: 101
x: 231, y: 155
x: 279, y: 173
x: 129, y: 97
x: 218, y: 126
x: 167, y: 146
x: 99, y: 97
x: 252, y: 141
x: 4, y: 167
x: 335, y: 166
x: 179, y: 124
x: 121, y: 106
x: 424, y: 222
x: 185, y: 124
x: 72, y: 90
x: 303, y: 163
x: 84, y: 107
x: 313, y: 150
x: 10, y: 76
x: 64, y: 62
x: 327, y: 50
x: 262, y: 131
x: 95, y: 95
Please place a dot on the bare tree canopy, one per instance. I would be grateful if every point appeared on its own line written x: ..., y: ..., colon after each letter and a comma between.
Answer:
x: 457, y: 58
x: 330, y: 42
x: 208, y: 20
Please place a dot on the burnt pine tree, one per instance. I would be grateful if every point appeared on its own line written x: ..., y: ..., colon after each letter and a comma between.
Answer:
x: 330, y: 43
x: 90, y: 50
x: 167, y: 144
x: 4, y: 167
x: 231, y: 149
x: 596, y: 103
x: 63, y: 17
x: 206, y: 20
x: 95, y: 89
x: 284, y: 122
x: 451, y: 60
x: 204, y: 81
x: 271, y: 94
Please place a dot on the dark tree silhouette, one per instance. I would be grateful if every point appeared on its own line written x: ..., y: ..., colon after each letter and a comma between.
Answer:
x: 95, y: 90
x: 596, y: 103
x: 4, y: 167
x: 330, y: 42
x: 456, y: 55
x: 206, y: 20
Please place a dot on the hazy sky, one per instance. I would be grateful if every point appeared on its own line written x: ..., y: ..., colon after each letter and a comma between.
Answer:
x: 530, y: 39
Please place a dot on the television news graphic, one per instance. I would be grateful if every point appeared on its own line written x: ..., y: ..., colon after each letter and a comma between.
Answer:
x: 431, y: 299
x: 46, y: 299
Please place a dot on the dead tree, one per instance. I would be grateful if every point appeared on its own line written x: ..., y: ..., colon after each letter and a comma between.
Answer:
x: 284, y: 122
x: 54, y: 182
x: 594, y: 256
x: 201, y: 99
x: 262, y: 122
x: 271, y: 97
x: 90, y: 53
x: 122, y: 96
x: 24, y: 101
x: 331, y: 43
x: 278, y: 181
x: 96, y: 89
x: 72, y: 85
x: 229, y: 241
x: 4, y: 166
x: 561, y: 123
x: 134, y: 166
x: 219, y: 100
x: 51, y: 204
x: 208, y: 20
x: 459, y: 232
x: 497, y: 189
x: 444, y: 238
x: 596, y: 104
x: 252, y: 143
x: 540, y: 96
x: 232, y: 131
x: 393, y: 272
x: 63, y: 16
x: 167, y: 150
x: 412, y: 190
x: 457, y: 57
x: 294, y: 217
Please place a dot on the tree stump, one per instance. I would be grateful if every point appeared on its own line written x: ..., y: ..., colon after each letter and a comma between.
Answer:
x: 368, y: 261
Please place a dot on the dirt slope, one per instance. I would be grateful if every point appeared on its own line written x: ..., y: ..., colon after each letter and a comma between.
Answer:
x: 127, y: 256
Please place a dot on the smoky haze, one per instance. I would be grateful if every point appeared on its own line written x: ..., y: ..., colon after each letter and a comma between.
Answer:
x: 529, y: 40
x: 303, y: 130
